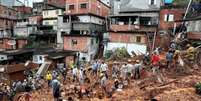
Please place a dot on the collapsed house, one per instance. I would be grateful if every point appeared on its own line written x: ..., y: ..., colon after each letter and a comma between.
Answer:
x: 133, y: 25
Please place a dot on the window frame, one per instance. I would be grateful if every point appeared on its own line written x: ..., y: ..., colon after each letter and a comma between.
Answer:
x: 71, y: 5
x: 167, y: 17
x: 85, y: 7
x: 138, y: 39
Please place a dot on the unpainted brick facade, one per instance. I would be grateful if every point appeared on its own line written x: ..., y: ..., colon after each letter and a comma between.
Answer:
x: 57, y: 2
x: 35, y: 20
x: 20, y: 43
x: 23, y: 9
x: 7, y: 17
x: 76, y: 43
x: 92, y: 6
x: 178, y: 15
x: 127, y: 37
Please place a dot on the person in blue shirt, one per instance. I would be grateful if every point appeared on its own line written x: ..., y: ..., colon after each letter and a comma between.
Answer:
x: 95, y: 68
x: 169, y: 58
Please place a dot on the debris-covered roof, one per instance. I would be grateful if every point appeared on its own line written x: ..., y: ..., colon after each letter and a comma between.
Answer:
x: 61, y: 54
x: 19, y: 67
x: 16, y: 52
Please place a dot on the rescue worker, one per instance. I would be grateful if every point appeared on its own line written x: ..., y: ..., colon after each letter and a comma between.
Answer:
x: 156, y: 70
x: 74, y: 73
x: 49, y: 78
x: 129, y: 68
x: 169, y: 58
x: 115, y: 70
x: 56, y: 89
x: 155, y: 59
x: 137, y: 66
x: 104, y: 68
x: 103, y: 81
x: 124, y: 72
x: 176, y: 58
x: 190, y: 54
x: 95, y: 67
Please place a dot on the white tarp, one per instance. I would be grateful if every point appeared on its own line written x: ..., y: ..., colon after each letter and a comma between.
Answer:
x: 131, y: 47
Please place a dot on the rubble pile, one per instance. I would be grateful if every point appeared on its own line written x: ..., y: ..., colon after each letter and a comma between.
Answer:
x: 119, y: 54
x: 175, y: 87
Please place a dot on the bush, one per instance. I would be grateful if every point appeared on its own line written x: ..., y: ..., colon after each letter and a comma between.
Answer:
x: 198, y: 88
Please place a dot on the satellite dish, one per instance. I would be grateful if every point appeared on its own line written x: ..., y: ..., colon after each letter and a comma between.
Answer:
x: 11, y: 42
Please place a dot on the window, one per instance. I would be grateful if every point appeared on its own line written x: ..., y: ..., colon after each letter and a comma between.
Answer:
x: 84, y: 5
x: 74, y: 42
x: 65, y: 20
x: 169, y: 17
x: 138, y: 39
x: 1, y: 41
x: 46, y: 23
x: 40, y: 58
x: 92, y: 42
x: 71, y: 7
x: 152, y: 2
x: 57, y: 12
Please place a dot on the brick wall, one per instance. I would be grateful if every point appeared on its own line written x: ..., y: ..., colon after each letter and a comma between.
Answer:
x: 23, y: 9
x: 7, y: 17
x: 93, y: 6
x: 126, y: 37
x: 35, y: 19
x: 194, y: 35
x: 178, y: 15
x: 80, y: 46
x: 57, y: 2
x: 19, y: 42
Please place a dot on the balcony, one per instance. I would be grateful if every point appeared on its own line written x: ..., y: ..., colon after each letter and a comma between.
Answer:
x: 194, y: 35
x: 138, y: 28
x: 22, y: 24
x: 45, y: 32
x: 88, y: 26
x: 8, y: 17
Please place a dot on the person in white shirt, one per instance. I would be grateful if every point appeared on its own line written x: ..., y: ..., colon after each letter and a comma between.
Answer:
x: 104, y: 68
x: 130, y: 68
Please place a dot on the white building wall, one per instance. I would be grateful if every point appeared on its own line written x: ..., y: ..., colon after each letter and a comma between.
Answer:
x: 39, y: 59
x: 91, y: 19
x: 21, y: 31
x: 3, y: 57
x: 96, y: 20
x: 52, y: 13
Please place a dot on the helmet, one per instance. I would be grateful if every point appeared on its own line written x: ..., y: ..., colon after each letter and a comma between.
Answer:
x: 188, y: 45
x: 101, y: 75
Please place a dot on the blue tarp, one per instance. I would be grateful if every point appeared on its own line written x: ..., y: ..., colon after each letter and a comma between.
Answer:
x: 196, y: 6
x: 168, y: 1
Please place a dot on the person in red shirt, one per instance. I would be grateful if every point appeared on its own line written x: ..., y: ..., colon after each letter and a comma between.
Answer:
x: 155, y: 59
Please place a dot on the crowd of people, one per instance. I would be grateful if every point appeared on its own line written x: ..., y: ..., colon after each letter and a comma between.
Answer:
x: 87, y: 78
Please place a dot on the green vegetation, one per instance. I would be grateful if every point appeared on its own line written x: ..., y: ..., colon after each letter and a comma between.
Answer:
x: 118, y: 54
x: 198, y: 88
